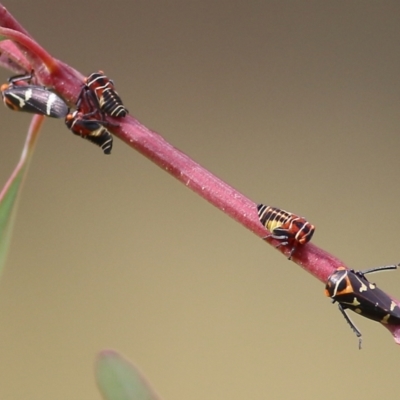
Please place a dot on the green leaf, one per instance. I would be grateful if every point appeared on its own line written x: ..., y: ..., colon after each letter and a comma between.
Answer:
x: 9, y: 194
x: 7, y: 214
x: 119, y: 379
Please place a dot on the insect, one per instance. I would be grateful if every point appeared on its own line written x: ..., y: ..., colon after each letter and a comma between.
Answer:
x: 91, y: 129
x: 285, y: 226
x: 32, y: 98
x: 104, y: 94
x: 352, y: 290
x: 89, y: 123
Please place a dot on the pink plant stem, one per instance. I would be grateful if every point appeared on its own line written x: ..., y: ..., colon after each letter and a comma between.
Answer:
x: 68, y: 82
x: 48, y: 71
x: 29, y: 43
x: 33, y: 133
x: 8, y: 21
x: 229, y: 200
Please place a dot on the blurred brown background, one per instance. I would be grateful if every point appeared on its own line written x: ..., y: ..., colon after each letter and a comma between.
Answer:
x: 296, y: 104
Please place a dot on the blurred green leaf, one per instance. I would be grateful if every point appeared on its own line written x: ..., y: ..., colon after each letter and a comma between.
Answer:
x: 7, y: 214
x: 119, y: 379
x: 9, y: 194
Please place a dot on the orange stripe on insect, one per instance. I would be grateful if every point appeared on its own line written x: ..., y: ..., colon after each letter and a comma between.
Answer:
x: 286, y: 227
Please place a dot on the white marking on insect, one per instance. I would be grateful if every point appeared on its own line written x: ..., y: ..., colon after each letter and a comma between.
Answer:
x: 338, y: 284
x: 28, y: 94
x: 354, y: 303
x: 51, y: 100
x: 363, y: 286
x: 20, y: 100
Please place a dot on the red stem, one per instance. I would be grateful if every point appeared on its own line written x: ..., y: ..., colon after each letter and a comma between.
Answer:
x: 41, y: 56
x: 68, y: 82
x: 8, y: 21
x: 233, y: 203
x: 48, y: 71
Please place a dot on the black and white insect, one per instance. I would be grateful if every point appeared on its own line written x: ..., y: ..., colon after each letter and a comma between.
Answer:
x: 89, y: 123
x: 19, y: 95
x: 352, y: 290
x: 104, y: 94
x: 90, y: 128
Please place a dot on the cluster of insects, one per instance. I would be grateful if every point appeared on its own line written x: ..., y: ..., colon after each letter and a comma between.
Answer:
x: 97, y: 99
x: 349, y: 288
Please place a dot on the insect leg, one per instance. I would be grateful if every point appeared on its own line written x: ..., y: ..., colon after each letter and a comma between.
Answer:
x: 352, y: 326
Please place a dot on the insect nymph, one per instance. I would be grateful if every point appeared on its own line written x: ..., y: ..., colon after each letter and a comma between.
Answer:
x: 89, y: 123
x: 352, y: 290
x: 104, y: 94
x: 286, y: 227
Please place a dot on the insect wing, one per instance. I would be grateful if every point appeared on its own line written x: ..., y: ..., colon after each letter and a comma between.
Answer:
x: 375, y: 304
x: 354, y: 292
x: 34, y: 99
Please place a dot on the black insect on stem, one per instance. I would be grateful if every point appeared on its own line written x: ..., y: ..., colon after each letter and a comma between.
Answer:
x: 352, y: 290
x: 105, y: 95
x: 19, y: 95
x: 89, y: 123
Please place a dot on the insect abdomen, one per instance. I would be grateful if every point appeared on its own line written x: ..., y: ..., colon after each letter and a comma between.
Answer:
x: 106, y: 96
x: 272, y: 217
